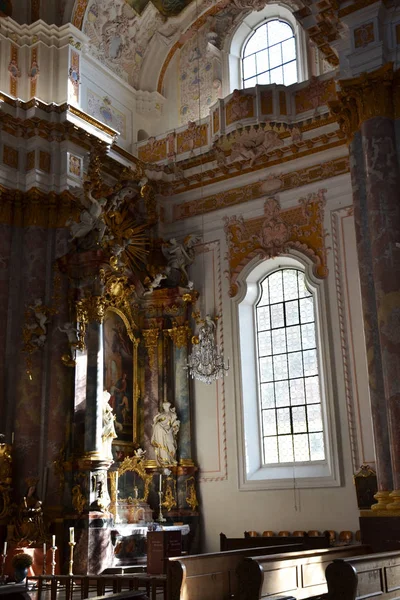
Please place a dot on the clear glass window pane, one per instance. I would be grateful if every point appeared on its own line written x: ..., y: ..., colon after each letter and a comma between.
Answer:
x: 258, y: 41
x: 297, y: 395
x: 301, y: 449
x: 299, y: 419
x: 292, y: 312
x: 267, y: 395
x: 306, y: 310
x: 280, y: 367
x: 249, y: 83
x: 266, y: 373
x: 275, y: 56
x: 310, y: 362
x: 263, y: 318
x: 275, y: 287
x: 282, y: 393
x: 263, y: 79
x: 277, y: 319
x: 285, y: 444
x: 312, y: 390
x: 290, y: 284
x: 314, y: 417
x: 270, y: 450
x: 295, y: 365
x: 249, y: 66
x: 276, y: 76
x: 290, y: 73
x: 278, y: 31
x: 308, y: 336
x: 269, y: 422
x: 317, y: 450
x: 265, y: 293
x: 283, y: 419
x: 278, y: 341
x: 288, y: 50
x: 293, y: 338
x: 303, y: 291
x: 262, y: 61
x: 264, y: 343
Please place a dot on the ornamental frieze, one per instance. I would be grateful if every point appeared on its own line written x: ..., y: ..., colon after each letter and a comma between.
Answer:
x: 275, y: 233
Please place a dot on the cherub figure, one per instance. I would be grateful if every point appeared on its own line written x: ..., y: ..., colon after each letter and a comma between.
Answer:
x: 179, y: 257
x: 73, y: 340
x: 152, y: 285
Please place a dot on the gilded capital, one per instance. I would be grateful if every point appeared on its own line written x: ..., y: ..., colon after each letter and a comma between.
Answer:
x: 180, y: 335
x: 91, y: 308
x: 150, y: 337
x: 365, y: 97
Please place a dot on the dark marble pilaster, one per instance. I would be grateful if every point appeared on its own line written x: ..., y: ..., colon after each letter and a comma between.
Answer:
x: 373, y: 349
x: 153, y: 345
x: 383, y: 206
x: 94, y: 387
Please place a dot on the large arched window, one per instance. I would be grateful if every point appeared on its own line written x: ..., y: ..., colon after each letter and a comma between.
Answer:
x: 286, y: 410
x: 269, y: 55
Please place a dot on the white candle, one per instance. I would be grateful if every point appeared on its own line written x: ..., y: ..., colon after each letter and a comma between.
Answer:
x: 71, y: 534
x: 116, y: 484
x: 160, y: 482
x: 44, y: 549
x: 5, y: 549
x: 12, y: 438
x: 53, y: 541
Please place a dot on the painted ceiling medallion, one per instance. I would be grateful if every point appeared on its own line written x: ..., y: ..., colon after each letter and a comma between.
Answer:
x: 168, y: 8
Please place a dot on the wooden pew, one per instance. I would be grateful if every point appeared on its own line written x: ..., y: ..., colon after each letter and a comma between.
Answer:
x: 300, y: 574
x: 377, y: 575
x: 211, y: 576
x: 309, y: 543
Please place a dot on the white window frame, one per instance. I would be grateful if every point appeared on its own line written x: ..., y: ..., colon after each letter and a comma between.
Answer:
x: 253, y: 474
x: 235, y: 45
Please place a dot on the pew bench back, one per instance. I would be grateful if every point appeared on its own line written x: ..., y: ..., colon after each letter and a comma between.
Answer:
x: 211, y: 576
x: 301, y: 574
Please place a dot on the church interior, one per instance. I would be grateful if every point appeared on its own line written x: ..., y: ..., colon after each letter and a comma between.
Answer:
x: 200, y: 267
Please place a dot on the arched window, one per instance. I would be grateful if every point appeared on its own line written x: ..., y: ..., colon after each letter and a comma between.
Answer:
x: 288, y: 376
x: 269, y: 55
x: 268, y: 46
x: 286, y: 400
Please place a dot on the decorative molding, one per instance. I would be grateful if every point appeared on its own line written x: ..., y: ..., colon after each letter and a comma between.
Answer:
x: 344, y: 342
x: 14, y: 71
x: 253, y: 191
x: 34, y: 71
x: 275, y: 233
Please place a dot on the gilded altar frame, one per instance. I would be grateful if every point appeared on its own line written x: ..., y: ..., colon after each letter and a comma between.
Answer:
x: 135, y: 385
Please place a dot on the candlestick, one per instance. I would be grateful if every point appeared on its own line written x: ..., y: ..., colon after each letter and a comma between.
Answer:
x: 3, y: 562
x: 53, y: 556
x: 71, y: 557
x: 44, y: 557
x: 160, y: 515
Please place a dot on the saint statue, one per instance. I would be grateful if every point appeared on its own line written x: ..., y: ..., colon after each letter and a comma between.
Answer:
x: 108, y: 433
x: 165, y: 429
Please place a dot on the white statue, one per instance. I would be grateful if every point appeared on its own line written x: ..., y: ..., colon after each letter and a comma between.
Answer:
x: 165, y: 429
x: 126, y: 193
x: 91, y: 219
x: 108, y: 433
x: 72, y: 335
x: 179, y: 257
x: 40, y: 314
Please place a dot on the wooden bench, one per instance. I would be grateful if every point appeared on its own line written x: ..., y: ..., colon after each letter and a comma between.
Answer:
x: 361, y: 577
x: 211, y: 576
x: 301, y: 574
x: 308, y: 542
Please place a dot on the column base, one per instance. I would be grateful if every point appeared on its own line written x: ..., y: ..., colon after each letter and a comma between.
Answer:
x: 383, y: 499
x: 394, y: 504
x: 94, y: 551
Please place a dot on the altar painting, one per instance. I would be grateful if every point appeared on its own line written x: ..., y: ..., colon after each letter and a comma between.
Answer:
x: 119, y: 375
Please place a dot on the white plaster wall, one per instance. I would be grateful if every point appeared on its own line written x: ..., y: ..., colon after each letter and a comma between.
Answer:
x: 223, y: 506
x: 170, y: 116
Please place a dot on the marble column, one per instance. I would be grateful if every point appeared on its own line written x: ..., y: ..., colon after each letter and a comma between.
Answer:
x: 373, y: 348
x: 383, y: 206
x: 180, y: 336
x: 94, y: 387
x: 151, y: 392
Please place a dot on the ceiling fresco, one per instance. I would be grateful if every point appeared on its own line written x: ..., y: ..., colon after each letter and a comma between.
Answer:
x: 168, y: 8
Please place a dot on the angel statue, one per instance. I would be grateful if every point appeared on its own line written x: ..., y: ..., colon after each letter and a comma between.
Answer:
x: 179, y: 257
x: 36, y: 332
x: 90, y: 219
x: 152, y: 285
x: 117, y: 250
